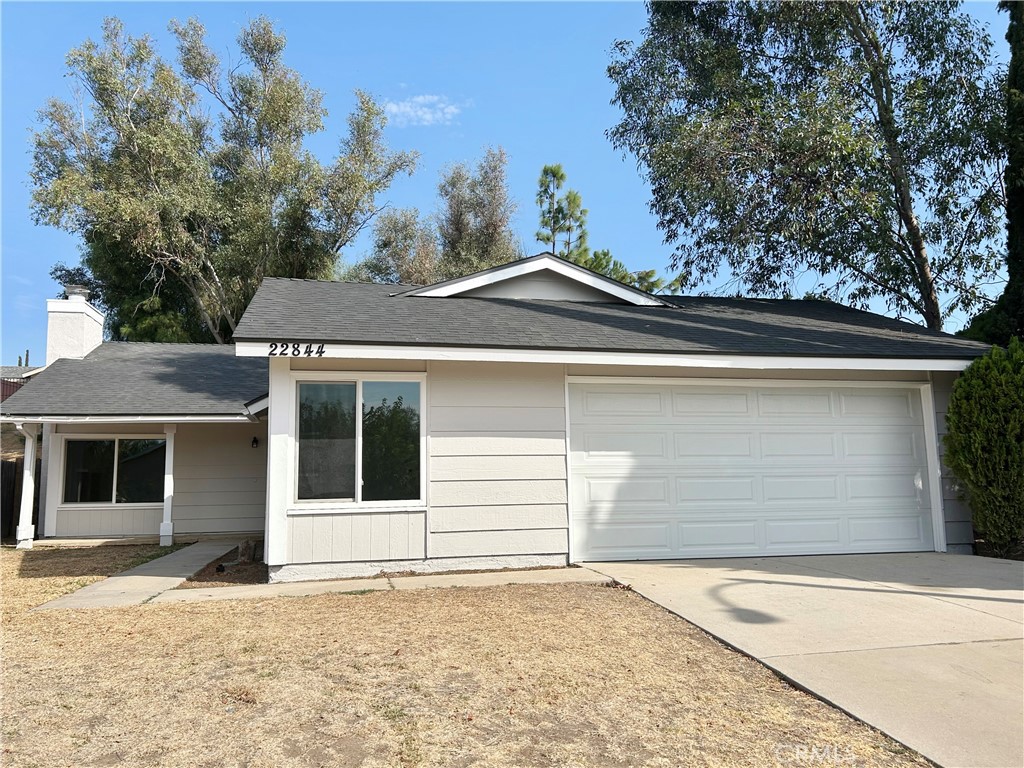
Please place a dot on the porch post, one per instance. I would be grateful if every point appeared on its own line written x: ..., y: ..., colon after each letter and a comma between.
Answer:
x: 167, y: 526
x: 25, y: 531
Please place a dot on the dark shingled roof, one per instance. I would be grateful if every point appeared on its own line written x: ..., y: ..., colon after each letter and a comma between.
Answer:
x: 141, y: 379
x: 359, y: 313
x: 15, y: 371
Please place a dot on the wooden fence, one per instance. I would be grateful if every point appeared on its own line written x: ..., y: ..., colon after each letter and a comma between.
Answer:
x: 11, y: 477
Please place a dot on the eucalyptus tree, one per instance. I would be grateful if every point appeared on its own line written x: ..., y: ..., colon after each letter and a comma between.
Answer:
x: 474, y: 216
x: 857, y: 141
x: 211, y: 204
x: 405, y: 250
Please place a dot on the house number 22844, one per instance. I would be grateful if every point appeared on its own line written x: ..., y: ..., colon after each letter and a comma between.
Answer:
x: 295, y: 349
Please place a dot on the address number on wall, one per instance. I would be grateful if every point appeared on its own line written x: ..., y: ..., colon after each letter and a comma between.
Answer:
x: 295, y: 349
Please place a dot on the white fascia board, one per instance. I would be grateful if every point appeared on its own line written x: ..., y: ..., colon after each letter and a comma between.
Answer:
x: 551, y: 263
x: 125, y: 419
x: 579, y: 357
x: 38, y: 370
x: 256, y: 406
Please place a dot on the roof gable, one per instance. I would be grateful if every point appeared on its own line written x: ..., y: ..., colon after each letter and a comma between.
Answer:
x: 544, y: 277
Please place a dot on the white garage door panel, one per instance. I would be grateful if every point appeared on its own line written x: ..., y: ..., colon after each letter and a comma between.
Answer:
x: 661, y: 471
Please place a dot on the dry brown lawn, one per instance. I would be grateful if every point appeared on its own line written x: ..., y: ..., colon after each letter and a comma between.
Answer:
x: 505, y: 676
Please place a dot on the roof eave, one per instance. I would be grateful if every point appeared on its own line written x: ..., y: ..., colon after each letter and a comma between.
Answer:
x: 125, y: 418
x: 709, y: 359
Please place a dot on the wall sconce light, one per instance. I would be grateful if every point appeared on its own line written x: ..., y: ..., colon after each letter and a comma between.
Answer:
x: 255, y: 442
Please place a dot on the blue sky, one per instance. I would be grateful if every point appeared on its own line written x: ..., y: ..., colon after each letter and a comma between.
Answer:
x: 458, y: 77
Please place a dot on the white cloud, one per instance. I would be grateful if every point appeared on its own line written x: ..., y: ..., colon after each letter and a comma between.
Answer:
x: 426, y: 109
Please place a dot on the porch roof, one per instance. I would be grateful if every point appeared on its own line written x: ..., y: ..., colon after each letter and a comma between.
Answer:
x: 121, y: 380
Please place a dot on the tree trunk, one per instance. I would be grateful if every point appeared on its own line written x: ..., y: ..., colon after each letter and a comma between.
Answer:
x: 878, y: 69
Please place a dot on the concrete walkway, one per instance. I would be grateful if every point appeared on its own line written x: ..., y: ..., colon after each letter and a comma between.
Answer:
x: 928, y: 648
x: 139, y: 585
x: 304, y: 588
x: 155, y: 582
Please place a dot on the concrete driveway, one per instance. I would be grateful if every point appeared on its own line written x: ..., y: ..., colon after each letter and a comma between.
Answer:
x: 925, y: 647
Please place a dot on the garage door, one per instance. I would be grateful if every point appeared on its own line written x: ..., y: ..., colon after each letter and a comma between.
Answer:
x: 669, y: 471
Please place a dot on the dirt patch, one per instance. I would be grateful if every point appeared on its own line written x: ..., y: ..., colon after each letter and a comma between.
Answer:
x: 983, y: 549
x: 231, y: 576
x: 561, y: 675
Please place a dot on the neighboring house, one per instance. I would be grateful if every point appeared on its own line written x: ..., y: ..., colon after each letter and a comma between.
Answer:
x: 532, y: 414
x: 12, y: 378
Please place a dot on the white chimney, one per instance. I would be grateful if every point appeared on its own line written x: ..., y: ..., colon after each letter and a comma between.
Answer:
x: 74, y: 327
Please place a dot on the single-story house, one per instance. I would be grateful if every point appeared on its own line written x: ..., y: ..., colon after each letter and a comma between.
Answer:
x: 532, y: 414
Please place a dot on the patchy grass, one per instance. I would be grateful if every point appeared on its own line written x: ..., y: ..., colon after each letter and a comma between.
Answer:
x: 31, y: 577
x: 565, y: 675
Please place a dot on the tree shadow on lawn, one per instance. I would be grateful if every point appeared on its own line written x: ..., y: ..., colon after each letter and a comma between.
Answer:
x: 71, y: 562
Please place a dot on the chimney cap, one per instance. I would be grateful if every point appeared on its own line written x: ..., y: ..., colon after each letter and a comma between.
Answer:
x: 74, y: 291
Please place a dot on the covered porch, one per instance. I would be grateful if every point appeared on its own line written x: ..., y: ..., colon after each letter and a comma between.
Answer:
x: 143, y: 479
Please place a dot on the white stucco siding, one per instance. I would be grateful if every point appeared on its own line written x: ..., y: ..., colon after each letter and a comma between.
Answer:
x: 497, y: 472
x: 220, y: 480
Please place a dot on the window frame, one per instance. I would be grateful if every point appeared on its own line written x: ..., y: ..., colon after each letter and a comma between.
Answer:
x: 116, y: 437
x: 334, y: 506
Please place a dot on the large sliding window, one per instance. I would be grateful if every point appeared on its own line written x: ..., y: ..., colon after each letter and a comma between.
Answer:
x: 116, y: 470
x: 359, y: 441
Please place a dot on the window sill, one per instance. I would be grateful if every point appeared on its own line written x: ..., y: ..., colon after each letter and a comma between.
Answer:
x: 339, y: 509
x: 109, y: 504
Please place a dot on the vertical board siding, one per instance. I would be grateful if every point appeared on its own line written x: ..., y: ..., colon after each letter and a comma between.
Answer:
x: 497, y: 466
x: 959, y: 531
x: 355, y: 537
x: 111, y: 520
x: 220, y: 480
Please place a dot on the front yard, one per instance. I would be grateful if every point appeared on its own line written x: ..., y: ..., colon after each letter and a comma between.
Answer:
x: 505, y: 676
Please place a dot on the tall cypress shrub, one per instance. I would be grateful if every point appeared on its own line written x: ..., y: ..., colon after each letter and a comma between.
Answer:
x: 985, y: 444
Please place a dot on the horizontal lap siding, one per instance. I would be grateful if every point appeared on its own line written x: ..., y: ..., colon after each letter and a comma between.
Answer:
x: 220, y: 480
x: 497, y: 460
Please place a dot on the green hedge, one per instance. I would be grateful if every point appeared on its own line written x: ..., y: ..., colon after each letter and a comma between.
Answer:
x: 985, y: 444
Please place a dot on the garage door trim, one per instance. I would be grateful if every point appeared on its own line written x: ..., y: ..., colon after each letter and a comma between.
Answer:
x: 928, y: 417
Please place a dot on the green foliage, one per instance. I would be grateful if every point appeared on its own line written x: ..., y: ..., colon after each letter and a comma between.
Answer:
x: 136, y: 307
x: 565, y: 217
x: 860, y: 141
x: 985, y: 444
x: 405, y: 250
x: 474, y: 221
x: 189, y: 204
x: 391, y: 451
x: 561, y: 216
x: 998, y: 323
x: 471, y: 230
